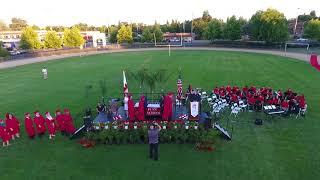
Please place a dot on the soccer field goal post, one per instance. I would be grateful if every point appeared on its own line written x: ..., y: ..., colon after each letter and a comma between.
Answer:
x: 167, y: 45
x: 287, y: 45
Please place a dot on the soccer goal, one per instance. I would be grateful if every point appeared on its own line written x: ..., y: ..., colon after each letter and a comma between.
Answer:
x: 168, y: 44
x: 296, y: 46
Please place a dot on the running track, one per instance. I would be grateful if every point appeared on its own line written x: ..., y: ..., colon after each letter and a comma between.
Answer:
x: 20, y: 62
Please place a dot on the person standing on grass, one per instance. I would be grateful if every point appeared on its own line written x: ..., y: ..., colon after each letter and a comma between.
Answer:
x: 45, y: 73
x: 39, y: 121
x: 29, y: 127
x: 4, y: 134
x: 60, y: 122
x: 13, y: 125
x: 153, y: 135
x: 69, y: 125
x: 50, y: 125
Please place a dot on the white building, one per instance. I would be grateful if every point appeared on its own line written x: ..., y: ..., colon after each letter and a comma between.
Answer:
x: 92, y: 38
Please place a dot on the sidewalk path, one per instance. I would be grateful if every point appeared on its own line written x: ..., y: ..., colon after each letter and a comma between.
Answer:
x: 20, y: 62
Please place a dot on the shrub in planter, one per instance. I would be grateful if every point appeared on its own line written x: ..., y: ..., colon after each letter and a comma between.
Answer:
x: 182, y: 135
x: 143, y: 134
x: 174, y: 136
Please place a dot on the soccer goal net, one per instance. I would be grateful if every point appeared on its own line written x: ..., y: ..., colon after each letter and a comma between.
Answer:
x: 296, y: 47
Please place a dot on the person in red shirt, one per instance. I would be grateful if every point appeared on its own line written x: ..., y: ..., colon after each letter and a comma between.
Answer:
x: 279, y: 94
x: 167, y: 108
x: 4, y: 134
x: 70, y: 129
x: 275, y: 101
x: 228, y: 89
x: 40, y: 123
x: 251, y: 102
x: 141, y: 109
x: 13, y: 125
x: 28, y: 125
x: 270, y: 101
x: 131, y: 108
x: 216, y: 91
x: 245, y: 90
x: 302, y: 103
x: 285, y: 105
x: 222, y: 95
x: 234, y: 98
x: 60, y: 125
x: 50, y: 125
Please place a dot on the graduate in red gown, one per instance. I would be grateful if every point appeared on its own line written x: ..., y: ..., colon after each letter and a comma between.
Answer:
x: 13, y: 125
x: 131, y: 108
x: 50, y: 125
x: 4, y: 134
x: 60, y: 125
x: 28, y: 125
x: 167, y: 108
x: 68, y: 122
x: 141, y: 109
x: 40, y: 123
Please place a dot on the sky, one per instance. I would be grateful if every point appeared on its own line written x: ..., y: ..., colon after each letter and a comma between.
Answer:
x: 106, y: 12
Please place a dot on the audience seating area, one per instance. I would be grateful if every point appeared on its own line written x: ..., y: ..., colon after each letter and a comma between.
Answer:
x: 253, y: 99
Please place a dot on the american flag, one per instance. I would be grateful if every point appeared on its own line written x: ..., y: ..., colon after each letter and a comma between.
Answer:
x: 179, y: 89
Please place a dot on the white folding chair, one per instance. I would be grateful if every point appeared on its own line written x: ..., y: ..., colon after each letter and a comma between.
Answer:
x: 214, y: 96
x: 302, y: 111
x: 235, y: 109
x: 242, y: 105
x: 224, y: 101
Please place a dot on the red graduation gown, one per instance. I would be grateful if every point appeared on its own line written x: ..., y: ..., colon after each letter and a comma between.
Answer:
x: 51, y: 126
x: 4, y: 134
x: 13, y: 125
x: 68, y: 123
x: 167, y: 108
x: 40, y: 124
x: 28, y: 124
x: 60, y: 123
x: 131, y: 110
x: 140, y: 113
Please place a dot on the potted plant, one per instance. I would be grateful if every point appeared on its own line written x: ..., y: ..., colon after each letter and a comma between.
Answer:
x: 135, y: 125
x: 164, y: 124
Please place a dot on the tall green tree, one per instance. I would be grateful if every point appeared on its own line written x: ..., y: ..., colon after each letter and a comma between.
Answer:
x: 147, y: 35
x: 270, y: 26
x: 29, y: 39
x: 312, y: 29
x: 112, y: 33
x: 72, y: 37
x: 232, y: 29
x: 157, y: 32
x: 52, y: 40
x: 206, y: 16
x: 200, y: 25
x: 125, y: 34
x: 214, y: 30
x: 82, y: 26
x: 17, y: 24
x: 313, y: 14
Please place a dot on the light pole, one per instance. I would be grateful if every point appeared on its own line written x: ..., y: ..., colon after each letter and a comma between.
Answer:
x: 295, y: 25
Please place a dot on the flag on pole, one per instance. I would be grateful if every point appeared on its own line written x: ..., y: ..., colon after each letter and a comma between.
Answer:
x: 179, y: 86
x: 125, y: 85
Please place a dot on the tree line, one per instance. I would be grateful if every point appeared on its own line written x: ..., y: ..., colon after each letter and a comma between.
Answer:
x: 269, y: 26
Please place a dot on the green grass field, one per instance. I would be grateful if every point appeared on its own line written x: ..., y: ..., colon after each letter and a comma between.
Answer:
x: 283, y: 148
